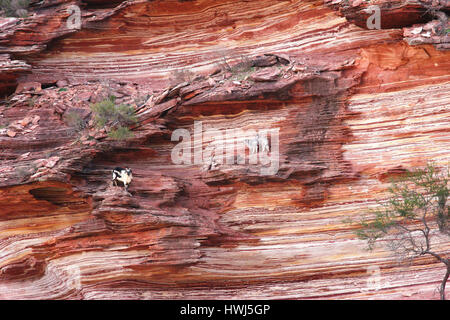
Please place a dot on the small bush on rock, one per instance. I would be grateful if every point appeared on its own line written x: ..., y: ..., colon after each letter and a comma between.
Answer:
x: 14, y: 8
x: 115, y: 117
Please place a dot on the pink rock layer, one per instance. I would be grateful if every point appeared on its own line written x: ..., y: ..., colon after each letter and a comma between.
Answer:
x: 354, y: 107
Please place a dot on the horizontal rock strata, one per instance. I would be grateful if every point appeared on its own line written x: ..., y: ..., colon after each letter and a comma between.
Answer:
x: 353, y: 107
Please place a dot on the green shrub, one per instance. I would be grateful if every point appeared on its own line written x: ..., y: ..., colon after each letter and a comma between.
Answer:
x: 14, y: 8
x: 115, y: 117
x: 75, y: 120
x: 240, y: 70
x: 120, y: 133
x: 23, y: 172
x: 416, y: 211
x: 31, y: 101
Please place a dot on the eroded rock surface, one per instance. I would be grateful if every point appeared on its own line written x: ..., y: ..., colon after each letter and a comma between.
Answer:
x: 353, y: 107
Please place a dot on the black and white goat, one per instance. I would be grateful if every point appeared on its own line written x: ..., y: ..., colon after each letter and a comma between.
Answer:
x: 123, y: 175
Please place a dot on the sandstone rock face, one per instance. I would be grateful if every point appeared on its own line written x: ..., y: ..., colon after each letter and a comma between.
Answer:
x: 351, y: 107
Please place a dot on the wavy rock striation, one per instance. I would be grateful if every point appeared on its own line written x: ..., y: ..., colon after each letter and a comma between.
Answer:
x: 352, y: 107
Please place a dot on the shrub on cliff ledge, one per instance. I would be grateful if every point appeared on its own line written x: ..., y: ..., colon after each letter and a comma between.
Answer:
x: 75, y: 120
x: 415, y: 212
x: 120, y: 133
x: 14, y: 8
x: 116, y: 118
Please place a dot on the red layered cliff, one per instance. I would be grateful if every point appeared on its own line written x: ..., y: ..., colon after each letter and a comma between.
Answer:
x: 353, y: 106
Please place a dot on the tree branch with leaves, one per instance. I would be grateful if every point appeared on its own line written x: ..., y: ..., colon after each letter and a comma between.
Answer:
x: 416, y: 211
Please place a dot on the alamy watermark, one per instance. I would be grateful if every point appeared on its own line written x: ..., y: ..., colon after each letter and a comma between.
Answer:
x: 74, y: 20
x: 227, y: 147
x: 373, y: 282
x: 374, y: 20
